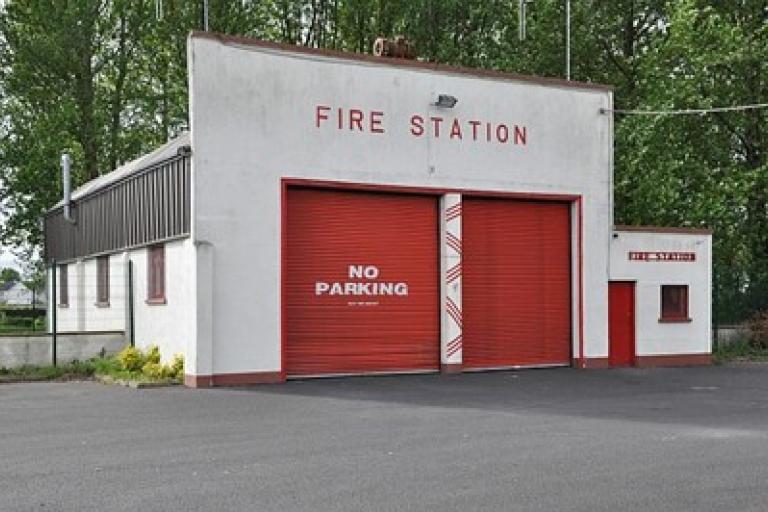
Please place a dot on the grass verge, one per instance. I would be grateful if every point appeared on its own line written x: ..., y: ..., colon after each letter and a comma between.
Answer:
x: 741, y: 351
x: 104, y: 369
x: 75, y: 370
x: 8, y: 329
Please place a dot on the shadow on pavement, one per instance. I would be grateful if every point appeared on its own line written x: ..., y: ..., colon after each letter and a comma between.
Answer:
x: 736, y: 396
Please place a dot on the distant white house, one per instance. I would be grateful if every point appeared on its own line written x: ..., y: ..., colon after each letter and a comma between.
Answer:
x: 16, y: 293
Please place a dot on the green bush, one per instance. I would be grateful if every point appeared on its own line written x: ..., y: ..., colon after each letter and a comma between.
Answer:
x: 758, y: 330
x: 177, y: 367
x: 152, y: 354
x: 130, y: 359
x: 132, y: 363
x: 154, y: 371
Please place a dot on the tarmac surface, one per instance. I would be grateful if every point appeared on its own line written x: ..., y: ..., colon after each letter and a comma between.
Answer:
x: 687, y: 439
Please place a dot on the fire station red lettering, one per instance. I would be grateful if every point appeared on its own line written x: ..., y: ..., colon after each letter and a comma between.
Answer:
x: 436, y: 126
x: 456, y: 129
x: 521, y: 134
x: 417, y: 126
x: 356, y: 119
x: 372, y: 121
x: 321, y: 114
x: 474, y: 124
x: 376, y: 122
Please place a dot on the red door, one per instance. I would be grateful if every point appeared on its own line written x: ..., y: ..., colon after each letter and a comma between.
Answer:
x: 361, y: 283
x: 516, y: 283
x: 621, y: 323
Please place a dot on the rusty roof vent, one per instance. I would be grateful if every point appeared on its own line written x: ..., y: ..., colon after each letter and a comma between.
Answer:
x: 398, y: 47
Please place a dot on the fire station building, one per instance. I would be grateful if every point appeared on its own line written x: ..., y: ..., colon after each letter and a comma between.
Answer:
x: 339, y: 214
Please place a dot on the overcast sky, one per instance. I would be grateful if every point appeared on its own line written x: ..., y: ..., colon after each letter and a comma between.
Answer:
x: 6, y: 258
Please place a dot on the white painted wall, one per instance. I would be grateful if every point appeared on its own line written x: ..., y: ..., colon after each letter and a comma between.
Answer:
x: 111, y: 317
x: 167, y: 325
x: 83, y: 314
x: 253, y: 123
x: 69, y: 315
x: 651, y: 336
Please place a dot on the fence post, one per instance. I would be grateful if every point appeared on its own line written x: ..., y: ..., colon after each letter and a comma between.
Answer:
x: 34, y: 310
x: 715, y: 305
x: 53, y: 307
x: 130, y: 303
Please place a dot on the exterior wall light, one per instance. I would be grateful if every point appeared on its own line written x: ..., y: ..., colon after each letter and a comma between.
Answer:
x: 446, y: 101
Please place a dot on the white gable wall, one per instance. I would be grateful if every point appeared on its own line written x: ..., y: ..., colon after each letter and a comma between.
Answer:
x: 254, y: 122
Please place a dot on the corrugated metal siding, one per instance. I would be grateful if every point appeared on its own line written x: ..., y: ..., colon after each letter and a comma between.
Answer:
x: 146, y: 207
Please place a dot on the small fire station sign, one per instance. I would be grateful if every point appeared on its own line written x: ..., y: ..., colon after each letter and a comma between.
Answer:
x: 662, y: 256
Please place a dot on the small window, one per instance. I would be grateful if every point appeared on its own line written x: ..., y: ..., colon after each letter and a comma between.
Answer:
x: 63, y: 286
x: 674, y: 303
x: 156, y: 274
x: 102, y: 281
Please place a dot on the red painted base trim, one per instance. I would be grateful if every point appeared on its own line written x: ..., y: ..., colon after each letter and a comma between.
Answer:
x: 591, y: 363
x: 451, y: 368
x: 673, y: 360
x: 232, y: 379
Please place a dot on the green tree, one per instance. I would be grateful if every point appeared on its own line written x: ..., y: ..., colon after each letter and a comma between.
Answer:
x: 710, y: 169
x: 8, y: 274
x: 106, y: 79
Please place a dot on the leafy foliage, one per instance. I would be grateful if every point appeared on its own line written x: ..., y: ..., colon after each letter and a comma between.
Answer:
x: 133, y: 364
x: 9, y: 274
x: 131, y: 359
x: 106, y: 79
x: 740, y: 351
x: 758, y: 329
x: 177, y: 367
x: 153, y: 371
x: 152, y: 355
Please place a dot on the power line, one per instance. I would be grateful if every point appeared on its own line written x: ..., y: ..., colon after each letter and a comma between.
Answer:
x: 683, y: 112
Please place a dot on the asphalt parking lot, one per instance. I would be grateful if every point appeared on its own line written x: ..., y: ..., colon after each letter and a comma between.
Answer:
x: 551, y: 440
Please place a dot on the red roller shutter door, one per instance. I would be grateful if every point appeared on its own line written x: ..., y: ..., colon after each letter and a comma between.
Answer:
x: 516, y: 287
x: 383, y: 323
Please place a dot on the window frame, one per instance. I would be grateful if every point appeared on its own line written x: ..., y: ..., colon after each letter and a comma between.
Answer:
x: 102, y: 281
x: 682, y: 313
x: 156, y: 275
x: 63, y: 277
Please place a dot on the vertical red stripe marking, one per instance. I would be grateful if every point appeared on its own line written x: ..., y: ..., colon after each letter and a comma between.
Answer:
x: 283, y: 266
